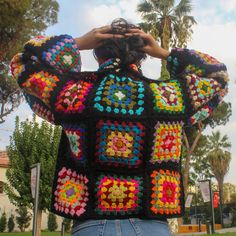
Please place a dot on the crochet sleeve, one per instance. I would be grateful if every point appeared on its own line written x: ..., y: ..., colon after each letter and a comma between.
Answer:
x: 205, y: 81
x: 42, y: 68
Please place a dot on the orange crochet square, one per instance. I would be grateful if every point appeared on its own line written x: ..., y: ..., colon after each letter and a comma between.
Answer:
x: 167, y: 142
x: 165, y: 197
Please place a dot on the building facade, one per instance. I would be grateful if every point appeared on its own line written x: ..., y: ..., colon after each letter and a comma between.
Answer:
x: 5, y: 204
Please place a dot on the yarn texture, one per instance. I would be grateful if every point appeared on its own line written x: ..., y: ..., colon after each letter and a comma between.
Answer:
x: 121, y: 145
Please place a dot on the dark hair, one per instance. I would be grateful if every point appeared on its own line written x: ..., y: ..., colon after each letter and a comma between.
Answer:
x: 126, y: 49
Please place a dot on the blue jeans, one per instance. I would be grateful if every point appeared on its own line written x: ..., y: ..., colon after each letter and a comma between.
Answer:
x: 126, y: 227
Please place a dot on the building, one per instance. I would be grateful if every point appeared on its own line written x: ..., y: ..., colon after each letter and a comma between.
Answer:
x: 5, y: 205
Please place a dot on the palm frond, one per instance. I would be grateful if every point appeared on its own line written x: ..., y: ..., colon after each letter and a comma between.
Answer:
x: 183, y: 7
x: 145, y: 8
x: 146, y: 27
x: 152, y: 17
x: 190, y: 19
x: 161, y: 4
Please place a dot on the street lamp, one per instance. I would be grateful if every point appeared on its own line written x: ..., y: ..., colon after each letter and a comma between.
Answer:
x: 206, y: 190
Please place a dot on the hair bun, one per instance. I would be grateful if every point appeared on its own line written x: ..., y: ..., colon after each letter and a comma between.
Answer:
x: 126, y: 49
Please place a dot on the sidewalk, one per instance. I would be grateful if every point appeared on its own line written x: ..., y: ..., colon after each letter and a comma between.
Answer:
x: 220, y: 231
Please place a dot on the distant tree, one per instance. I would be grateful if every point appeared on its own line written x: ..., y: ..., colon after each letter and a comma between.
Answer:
x: 3, y: 222
x: 52, y: 222
x: 228, y: 191
x: 19, y: 21
x: 32, y: 143
x: 219, y: 158
x: 23, y: 218
x: 200, y: 166
x: 233, y: 198
x: 169, y: 23
x: 192, y: 136
x: 11, y: 223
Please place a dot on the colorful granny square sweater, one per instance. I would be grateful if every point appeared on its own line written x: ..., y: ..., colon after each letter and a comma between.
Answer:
x: 121, y: 145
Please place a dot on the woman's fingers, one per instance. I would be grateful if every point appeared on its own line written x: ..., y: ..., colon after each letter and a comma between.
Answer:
x: 110, y: 36
x: 104, y: 29
x: 135, y: 30
x: 142, y: 35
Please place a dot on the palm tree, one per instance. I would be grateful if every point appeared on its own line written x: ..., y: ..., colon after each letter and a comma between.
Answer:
x: 169, y: 24
x: 219, y: 158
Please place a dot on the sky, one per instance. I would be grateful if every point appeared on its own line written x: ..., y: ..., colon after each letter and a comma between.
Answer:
x: 215, y: 34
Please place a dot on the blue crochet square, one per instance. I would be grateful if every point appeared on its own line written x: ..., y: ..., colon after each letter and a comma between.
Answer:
x: 120, y: 95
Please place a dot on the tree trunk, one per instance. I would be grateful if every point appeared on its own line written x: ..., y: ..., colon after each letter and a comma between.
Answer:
x: 165, y: 42
x: 220, y: 183
x: 186, y: 172
x: 39, y: 220
x: 190, y: 150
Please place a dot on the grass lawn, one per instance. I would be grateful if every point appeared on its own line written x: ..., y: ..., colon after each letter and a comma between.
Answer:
x: 30, y: 233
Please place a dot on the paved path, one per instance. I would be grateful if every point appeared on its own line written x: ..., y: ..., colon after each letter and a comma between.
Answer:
x: 227, y: 230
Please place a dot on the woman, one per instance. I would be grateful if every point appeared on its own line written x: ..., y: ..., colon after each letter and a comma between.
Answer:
x: 118, y: 170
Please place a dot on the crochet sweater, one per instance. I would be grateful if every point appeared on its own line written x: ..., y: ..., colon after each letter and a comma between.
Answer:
x: 121, y: 143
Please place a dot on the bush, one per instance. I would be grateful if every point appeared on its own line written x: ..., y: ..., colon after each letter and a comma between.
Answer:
x: 11, y: 223
x: 234, y: 217
x: 3, y: 222
x: 23, y: 218
x: 67, y: 223
x: 52, y: 222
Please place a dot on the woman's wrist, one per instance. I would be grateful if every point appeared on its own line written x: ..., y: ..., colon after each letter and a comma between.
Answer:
x: 162, y: 53
x: 79, y: 43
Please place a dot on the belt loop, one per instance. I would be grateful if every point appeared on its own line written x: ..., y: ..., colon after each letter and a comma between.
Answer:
x: 118, y: 228
x: 136, y: 228
x: 102, y: 228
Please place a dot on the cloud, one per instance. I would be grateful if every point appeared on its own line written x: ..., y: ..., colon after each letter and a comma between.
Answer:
x: 104, y: 14
x: 228, y: 5
x: 217, y: 39
x: 7, y: 128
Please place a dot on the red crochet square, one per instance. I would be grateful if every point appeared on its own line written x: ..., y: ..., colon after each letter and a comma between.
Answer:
x: 72, y: 97
x: 118, y: 194
x: 165, y: 197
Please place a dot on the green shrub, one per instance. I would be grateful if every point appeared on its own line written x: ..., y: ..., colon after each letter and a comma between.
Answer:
x: 67, y: 223
x: 52, y: 222
x: 11, y: 223
x: 3, y: 222
x: 23, y: 218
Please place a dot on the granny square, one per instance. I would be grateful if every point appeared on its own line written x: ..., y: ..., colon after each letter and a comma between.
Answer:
x: 39, y: 40
x: 167, y: 142
x: 41, y: 84
x: 201, y: 90
x: 71, y: 194
x: 165, y: 197
x: 118, y: 195
x: 119, y: 143
x: 17, y: 67
x: 201, y: 114
x: 168, y: 97
x: 72, y: 97
x: 120, y: 95
x: 43, y: 112
x: 205, y: 58
x: 63, y: 55
x: 76, y: 137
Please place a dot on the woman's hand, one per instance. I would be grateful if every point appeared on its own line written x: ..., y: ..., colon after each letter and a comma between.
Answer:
x: 152, y: 48
x: 95, y: 37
